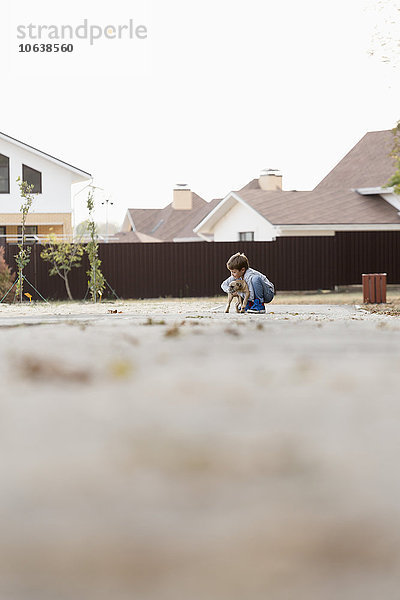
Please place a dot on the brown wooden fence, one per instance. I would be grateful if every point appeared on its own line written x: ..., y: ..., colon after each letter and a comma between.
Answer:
x: 197, y: 268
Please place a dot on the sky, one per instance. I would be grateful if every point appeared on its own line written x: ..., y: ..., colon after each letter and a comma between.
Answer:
x: 217, y: 91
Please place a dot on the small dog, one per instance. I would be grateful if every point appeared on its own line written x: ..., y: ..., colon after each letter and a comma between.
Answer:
x: 239, y: 285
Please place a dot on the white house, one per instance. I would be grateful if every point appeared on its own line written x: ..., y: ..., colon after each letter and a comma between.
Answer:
x: 52, y: 179
x: 350, y: 198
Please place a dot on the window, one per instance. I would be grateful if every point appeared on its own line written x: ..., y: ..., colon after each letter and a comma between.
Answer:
x: 4, y: 174
x: 246, y: 236
x: 32, y: 177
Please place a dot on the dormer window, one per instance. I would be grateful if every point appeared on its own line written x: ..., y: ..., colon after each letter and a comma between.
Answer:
x: 4, y: 174
x: 32, y: 177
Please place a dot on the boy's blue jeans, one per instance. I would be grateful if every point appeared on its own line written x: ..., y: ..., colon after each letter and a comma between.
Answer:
x: 261, y: 290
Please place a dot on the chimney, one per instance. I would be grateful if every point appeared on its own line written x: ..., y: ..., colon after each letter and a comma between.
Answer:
x: 182, y: 199
x: 270, y: 180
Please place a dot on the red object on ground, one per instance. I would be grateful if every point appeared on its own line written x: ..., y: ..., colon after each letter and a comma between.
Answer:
x: 374, y: 288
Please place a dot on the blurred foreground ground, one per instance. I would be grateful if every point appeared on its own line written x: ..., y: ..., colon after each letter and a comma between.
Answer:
x: 171, y: 451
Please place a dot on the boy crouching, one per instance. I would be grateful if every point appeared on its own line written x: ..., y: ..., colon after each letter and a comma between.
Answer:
x: 261, y: 289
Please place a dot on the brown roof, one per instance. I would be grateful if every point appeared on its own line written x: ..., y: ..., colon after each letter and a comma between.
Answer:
x: 252, y: 185
x: 334, y: 200
x: 168, y: 223
x: 315, y: 208
x: 368, y: 164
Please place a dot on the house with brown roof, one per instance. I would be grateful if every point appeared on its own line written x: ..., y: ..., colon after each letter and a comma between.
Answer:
x: 173, y: 223
x: 350, y: 198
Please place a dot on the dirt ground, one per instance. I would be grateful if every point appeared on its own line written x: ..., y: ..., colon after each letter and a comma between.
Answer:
x: 169, y: 450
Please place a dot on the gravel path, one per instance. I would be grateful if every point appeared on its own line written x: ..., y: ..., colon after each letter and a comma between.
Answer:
x: 171, y: 451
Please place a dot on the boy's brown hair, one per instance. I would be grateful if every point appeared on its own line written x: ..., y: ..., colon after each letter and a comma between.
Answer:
x: 237, y: 261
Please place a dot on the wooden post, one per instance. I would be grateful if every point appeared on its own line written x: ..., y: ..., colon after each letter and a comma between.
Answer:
x: 374, y: 288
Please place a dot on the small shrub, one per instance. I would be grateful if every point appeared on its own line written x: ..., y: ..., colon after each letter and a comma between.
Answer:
x: 6, y: 278
x: 63, y: 256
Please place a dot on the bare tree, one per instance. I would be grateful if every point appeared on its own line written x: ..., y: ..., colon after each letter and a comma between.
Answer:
x: 385, y: 42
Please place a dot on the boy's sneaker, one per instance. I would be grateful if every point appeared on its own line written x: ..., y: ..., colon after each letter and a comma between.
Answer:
x: 258, y: 307
x: 248, y: 305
